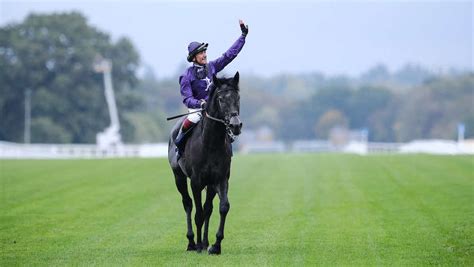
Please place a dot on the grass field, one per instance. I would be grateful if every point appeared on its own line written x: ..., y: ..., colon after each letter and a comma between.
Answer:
x: 285, y: 210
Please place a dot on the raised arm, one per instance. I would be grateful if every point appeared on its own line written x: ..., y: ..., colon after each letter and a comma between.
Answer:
x: 233, y: 51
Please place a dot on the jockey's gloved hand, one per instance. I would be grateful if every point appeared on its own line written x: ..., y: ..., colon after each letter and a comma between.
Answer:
x: 203, y: 104
x: 244, y: 28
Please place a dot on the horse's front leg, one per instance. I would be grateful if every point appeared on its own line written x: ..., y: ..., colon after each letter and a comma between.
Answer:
x: 211, y: 193
x: 198, y: 217
x: 224, y: 207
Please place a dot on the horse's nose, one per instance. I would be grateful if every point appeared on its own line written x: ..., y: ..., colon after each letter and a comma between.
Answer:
x: 235, y: 124
x: 235, y: 121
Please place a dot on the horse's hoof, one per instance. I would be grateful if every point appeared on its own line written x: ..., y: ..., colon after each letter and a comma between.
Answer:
x: 214, y: 250
x: 198, y: 247
x: 191, y: 247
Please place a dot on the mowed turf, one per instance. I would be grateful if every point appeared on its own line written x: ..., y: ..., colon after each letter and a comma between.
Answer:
x: 324, y: 209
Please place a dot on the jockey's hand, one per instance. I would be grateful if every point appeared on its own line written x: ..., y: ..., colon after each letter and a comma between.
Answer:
x: 244, y: 28
x: 203, y: 104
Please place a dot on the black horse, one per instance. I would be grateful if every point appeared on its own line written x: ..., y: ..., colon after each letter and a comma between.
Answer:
x: 206, y: 160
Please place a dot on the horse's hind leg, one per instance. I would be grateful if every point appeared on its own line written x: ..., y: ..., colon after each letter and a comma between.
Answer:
x: 211, y: 193
x: 224, y: 207
x: 182, y: 185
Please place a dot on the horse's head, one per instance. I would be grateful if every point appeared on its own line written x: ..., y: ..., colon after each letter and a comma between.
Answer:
x: 224, y: 102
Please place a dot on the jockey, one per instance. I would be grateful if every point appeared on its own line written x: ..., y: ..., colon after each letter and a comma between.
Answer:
x: 197, y: 79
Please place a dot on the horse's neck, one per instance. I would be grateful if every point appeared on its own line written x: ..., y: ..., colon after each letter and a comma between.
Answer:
x: 213, y: 133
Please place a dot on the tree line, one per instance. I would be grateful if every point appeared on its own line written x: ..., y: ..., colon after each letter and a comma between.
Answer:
x: 50, y: 57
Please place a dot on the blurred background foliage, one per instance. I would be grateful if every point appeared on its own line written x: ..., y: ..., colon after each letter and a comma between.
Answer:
x: 51, y: 57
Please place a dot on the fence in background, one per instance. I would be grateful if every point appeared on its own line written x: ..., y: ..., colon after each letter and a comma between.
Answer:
x: 319, y: 146
x: 70, y: 151
x: 74, y: 151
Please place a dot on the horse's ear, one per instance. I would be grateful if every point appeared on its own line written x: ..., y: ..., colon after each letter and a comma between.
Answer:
x: 236, y: 78
x: 215, y: 81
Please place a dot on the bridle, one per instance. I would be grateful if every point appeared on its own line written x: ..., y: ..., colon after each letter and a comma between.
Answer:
x: 226, y: 120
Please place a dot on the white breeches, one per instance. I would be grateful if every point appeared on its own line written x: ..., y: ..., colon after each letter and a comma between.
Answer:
x: 195, y: 117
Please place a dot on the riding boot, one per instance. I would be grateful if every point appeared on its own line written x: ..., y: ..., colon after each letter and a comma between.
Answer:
x: 179, y: 141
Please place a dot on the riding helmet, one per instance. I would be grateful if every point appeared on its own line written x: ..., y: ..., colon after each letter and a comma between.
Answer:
x: 195, y: 48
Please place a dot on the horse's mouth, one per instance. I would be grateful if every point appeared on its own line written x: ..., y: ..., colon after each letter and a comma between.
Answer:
x: 236, y: 130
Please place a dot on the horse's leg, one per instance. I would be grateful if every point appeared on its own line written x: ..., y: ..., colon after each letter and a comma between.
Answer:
x: 182, y: 185
x: 224, y: 207
x: 198, y: 217
x: 211, y: 193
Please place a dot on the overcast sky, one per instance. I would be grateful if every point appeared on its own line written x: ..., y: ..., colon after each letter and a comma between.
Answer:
x: 333, y: 37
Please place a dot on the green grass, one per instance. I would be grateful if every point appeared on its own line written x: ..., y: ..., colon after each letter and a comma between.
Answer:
x: 307, y: 209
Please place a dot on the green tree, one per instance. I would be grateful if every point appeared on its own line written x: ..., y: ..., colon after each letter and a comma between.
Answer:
x: 52, y: 56
x: 381, y: 123
x: 364, y: 102
x: 329, y: 120
x: 435, y: 109
x: 376, y: 74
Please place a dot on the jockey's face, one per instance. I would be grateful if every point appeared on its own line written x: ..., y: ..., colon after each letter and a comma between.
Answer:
x: 201, y: 58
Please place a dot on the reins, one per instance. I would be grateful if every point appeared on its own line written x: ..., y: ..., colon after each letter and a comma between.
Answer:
x: 216, y: 119
x: 226, y: 124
